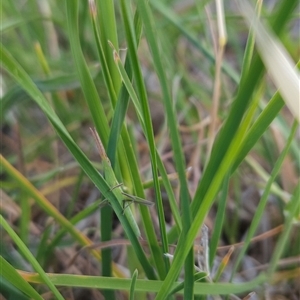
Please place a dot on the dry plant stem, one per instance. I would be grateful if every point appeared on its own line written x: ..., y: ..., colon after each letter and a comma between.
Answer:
x: 212, y: 29
x: 249, y: 296
x: 195, y: 160
x: 257, y: 238
x: 284, y: 262
x: 196, y: 127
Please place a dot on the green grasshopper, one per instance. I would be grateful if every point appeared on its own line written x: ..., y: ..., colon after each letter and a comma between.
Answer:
x: 123, y: 198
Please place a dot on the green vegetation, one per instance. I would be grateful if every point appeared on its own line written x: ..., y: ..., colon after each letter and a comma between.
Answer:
x: 197, y: 108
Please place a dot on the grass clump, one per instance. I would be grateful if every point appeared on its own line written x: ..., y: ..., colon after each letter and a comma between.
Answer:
x: 189, y: 120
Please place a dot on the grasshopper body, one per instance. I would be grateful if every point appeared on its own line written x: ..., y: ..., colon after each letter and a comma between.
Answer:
x: 111, y: 179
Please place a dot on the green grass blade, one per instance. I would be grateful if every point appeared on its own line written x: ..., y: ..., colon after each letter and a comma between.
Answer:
x: 142, y: 285
x: 197, y: 276
x: 132, y: 286
x: 168, y: 63
x: 87, y: 84
x: 186, y: 241
x: 175, y: 140
x: 250, y: 45
x: 108, y: 32
x: 17, y: 95
x: 103, y: 60
x: 123, y: 100
x: 43, y: 246
x: 170, y: 193
x: 11, y: 275
x: 277, y: 60
x: 29, y: 256
x: 260, y: 126
x: 8, y: 289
